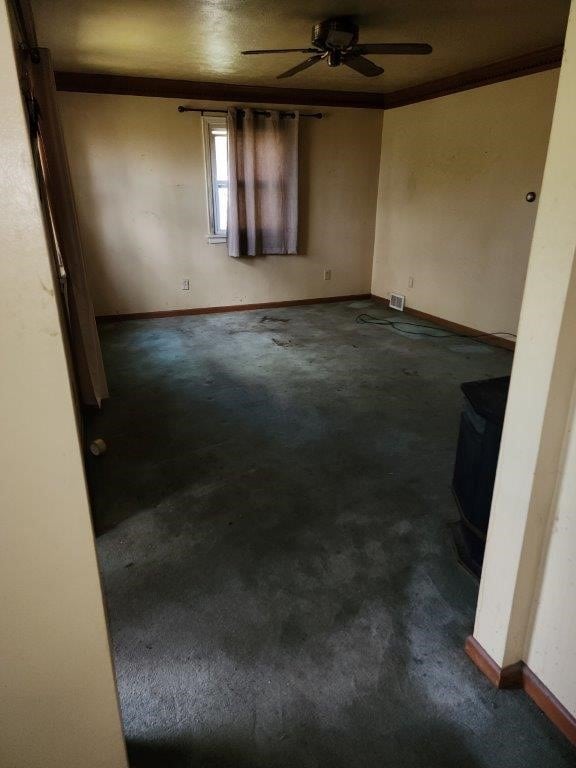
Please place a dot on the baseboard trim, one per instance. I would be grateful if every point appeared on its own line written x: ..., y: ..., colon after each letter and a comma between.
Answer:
x: 231, y: 308
x: 501, y: 677
x: 465, y: 330
x: 519, y: 675
x: 549, y: 704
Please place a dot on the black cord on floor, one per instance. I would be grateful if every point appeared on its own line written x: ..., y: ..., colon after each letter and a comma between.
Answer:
x: 399, y: 325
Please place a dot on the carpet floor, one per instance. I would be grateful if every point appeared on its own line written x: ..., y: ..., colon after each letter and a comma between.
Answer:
x: 272, y: 517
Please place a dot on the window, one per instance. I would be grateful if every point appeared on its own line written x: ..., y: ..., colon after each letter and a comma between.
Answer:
x: 216, y: 147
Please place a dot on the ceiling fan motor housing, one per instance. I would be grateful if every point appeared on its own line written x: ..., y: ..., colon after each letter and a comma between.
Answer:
x: 335, y: 34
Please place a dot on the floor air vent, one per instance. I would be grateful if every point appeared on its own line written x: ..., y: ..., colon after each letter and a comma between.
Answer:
x: 397, y: 301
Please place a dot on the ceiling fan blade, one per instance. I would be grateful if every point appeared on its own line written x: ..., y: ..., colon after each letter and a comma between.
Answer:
x: 415, y: 49
x: 282, y: 50
x: 302, y: 66
x: 362, y: 65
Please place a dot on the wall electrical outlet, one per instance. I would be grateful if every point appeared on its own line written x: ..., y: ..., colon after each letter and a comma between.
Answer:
x: 185, y: 285
x: 327, y: 274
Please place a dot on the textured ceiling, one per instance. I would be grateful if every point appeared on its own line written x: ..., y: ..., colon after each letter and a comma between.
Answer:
x: 202, y: 39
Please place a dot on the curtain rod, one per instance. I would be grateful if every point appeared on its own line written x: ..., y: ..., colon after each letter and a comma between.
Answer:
x: 292, y: 115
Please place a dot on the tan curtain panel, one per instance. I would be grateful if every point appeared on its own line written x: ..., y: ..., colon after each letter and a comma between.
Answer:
x: 263, y: 183
x: 59, y: 199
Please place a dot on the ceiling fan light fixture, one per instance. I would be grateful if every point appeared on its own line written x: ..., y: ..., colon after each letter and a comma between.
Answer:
x: 334, y: 58
x: 339, y: 33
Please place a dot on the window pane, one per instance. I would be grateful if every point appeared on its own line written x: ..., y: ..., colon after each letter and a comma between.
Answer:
x: 221, y: 153
x: 222, y: 208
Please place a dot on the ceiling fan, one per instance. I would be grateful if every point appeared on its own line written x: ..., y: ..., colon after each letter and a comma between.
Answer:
x: 336, y: 40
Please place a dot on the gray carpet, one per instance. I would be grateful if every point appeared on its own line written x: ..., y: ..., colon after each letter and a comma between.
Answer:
x: 272, y: 516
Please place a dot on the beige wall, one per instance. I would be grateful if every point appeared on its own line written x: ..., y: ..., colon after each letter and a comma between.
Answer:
x: 451, y: 213
x: 451, y: 207
x: 138, y: 172
x: 551, y: 639
x: 528, y: 587
x: 58, y: 705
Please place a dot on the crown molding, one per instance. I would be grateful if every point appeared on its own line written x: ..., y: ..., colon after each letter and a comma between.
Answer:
x: 507, y: 69
x: 190, y: 89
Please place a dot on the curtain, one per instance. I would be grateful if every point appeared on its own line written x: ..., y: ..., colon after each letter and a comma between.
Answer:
x: 263, y: 183
x: 63, y: 221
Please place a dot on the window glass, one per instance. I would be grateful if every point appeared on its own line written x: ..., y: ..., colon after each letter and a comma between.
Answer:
x: 223, y: 208
x: 221, y: 155
x: 216, y: 143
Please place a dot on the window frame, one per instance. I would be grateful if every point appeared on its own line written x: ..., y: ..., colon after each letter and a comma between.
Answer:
x: 211, y: 122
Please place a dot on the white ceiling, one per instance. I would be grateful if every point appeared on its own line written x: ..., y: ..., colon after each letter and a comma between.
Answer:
x: 202, y: 39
